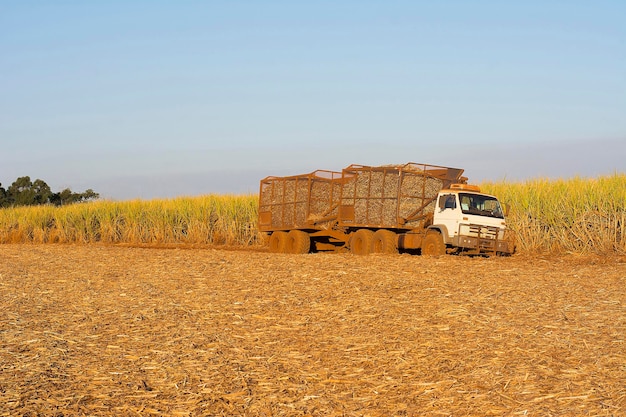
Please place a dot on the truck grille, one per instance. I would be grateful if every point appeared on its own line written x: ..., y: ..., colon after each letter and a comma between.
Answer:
x: 484, y: 239
x: 483, y: 232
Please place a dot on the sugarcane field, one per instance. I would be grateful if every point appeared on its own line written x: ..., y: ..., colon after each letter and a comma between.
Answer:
x: 181, y: 330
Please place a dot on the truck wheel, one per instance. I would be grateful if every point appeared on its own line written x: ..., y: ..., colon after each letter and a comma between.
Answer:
x: 361, y: 242
x: 298, y: 242
x: 385, y: 241
x: 433, y: 244
x: 278, y: 242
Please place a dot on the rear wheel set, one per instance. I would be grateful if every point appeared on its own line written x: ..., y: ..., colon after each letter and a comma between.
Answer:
x: 364, y: 242
x: 361, y: 242
x: 298, y: 242
x: 294, y: 241
x: 385, y: 241
x: 278, y: 241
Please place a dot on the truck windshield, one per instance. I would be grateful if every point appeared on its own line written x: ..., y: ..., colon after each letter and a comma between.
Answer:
x: 481, y: 205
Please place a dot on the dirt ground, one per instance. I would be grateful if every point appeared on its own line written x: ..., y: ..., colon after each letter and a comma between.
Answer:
x: 115, y: 331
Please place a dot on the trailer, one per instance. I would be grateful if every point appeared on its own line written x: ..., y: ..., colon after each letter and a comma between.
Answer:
x: 382, y: 209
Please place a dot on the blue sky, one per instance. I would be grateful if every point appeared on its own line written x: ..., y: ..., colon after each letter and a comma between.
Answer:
x: 151, y: 99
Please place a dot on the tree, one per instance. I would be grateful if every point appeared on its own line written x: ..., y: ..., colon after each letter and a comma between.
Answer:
x: 24, y: 192
x: 42, y: 192
x: 3, y: 197
x: 68, y: 197
x: 21, y: 192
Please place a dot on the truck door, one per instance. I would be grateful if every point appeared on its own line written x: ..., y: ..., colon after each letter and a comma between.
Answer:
x: 448, y: 213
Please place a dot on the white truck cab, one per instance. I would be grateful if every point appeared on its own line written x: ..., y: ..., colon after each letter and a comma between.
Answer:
x: 471, y: 221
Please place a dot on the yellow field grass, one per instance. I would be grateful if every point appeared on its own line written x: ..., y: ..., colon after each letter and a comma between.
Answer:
x: 212, y: 219
x: 578, y: 215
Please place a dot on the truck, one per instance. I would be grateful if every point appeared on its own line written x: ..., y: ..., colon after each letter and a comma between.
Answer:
x: 412, y: 208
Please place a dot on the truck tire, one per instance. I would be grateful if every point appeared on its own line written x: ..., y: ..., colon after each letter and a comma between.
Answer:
x: 298, y: 242
x: 385, y: 241
x: 361, y: 242
x: 433, y: 244
x: 278, y: 241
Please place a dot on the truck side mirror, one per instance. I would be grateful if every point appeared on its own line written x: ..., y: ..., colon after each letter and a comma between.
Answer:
x: 505, y: 209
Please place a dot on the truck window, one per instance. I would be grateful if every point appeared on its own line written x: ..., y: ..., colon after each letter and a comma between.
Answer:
x: 449, y: 201
x: 480, y: 205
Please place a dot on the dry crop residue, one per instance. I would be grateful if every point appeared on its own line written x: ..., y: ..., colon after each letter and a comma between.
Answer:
x: 108, y: 331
